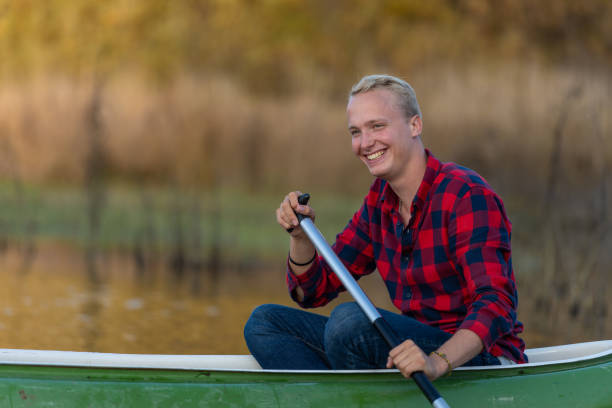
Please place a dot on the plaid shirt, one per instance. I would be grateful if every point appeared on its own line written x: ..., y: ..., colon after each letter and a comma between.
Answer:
x: 450, y: 267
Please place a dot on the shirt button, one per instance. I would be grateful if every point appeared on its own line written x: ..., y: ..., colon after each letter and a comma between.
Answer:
x: 407, y: 294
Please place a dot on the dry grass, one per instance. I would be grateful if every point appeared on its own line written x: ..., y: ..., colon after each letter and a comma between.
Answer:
x: 195, y: 132
x: 503, y: 119
x: 202, y: 131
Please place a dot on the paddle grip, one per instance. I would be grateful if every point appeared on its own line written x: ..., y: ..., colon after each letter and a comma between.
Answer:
x: 302, y: 200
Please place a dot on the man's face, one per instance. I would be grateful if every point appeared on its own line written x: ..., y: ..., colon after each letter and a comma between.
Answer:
x: 381, y: 135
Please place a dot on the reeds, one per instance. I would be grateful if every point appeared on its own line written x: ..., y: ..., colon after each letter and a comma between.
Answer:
x: 201, y: 131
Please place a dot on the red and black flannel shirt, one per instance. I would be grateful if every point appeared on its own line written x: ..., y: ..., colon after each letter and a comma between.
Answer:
x: 450, y: 267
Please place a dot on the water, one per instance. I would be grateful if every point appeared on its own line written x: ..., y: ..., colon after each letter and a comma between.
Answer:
x: 55, y: 304
x: 52, y: 302
x: 55, y: 301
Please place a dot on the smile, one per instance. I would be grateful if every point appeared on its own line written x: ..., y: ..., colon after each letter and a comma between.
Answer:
x: 375, y: 156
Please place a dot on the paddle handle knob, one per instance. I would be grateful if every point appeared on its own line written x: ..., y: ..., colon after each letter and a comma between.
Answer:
x: 302, y: 200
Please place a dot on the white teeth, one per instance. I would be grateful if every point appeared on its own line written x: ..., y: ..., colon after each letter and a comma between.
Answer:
x: 375, y: 155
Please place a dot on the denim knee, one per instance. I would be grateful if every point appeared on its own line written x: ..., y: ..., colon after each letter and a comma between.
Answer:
x: 345, y: 319
x: 260, y: 318
x: 344, y: 334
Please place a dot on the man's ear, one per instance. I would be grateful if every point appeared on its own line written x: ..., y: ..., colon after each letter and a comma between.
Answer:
x: 416, y: 126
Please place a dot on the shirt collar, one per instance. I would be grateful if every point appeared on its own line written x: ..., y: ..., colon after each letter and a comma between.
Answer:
x: 432, y: 169
x: 431, y: 172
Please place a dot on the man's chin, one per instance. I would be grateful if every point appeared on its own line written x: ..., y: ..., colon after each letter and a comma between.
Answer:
x: 377, y: 173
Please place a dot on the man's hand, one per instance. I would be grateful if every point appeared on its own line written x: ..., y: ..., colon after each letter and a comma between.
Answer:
x: 408, y: 358
x: 301, y: 249
x: 285, y: 214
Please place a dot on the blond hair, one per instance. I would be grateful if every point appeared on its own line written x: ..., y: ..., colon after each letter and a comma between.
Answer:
x: 403, y: 90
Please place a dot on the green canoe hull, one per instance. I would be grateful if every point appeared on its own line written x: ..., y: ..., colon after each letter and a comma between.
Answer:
x: 576, y: 384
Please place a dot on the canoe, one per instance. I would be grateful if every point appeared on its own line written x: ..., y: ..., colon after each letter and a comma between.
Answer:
x: 575, y: 375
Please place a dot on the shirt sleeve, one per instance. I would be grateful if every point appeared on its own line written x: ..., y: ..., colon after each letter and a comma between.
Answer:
x: 354, y: 248
x: 479, y: 238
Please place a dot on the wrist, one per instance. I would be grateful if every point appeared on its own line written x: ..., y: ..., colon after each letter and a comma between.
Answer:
x: 300, y: 262
x: 442, y: 363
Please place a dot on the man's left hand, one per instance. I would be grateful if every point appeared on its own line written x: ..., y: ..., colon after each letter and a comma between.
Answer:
x: 408, y: 358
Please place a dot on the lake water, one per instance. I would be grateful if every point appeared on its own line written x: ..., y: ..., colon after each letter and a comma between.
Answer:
x: 53, y: 301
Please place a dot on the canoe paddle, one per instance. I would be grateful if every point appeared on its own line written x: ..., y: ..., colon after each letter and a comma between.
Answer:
x: 363, y: 301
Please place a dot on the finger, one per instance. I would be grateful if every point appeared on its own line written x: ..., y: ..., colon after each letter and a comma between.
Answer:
x: 296, y: 207
x: 410, y: 363
x: 406, y: 370
x: 291, y: 225
x: 305, y: 210
x: 402, y: 359
x: 405, y: 345
x: 283, y: 222
x: 403, y: 364
x: 407, y: 357
x: 288, y: 214
x: 293, y: 198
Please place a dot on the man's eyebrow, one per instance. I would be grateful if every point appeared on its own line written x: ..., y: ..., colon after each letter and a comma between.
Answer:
x: 369, y: 123
x: 375, y: 120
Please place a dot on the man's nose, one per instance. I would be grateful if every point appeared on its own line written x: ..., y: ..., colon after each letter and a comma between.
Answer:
x: 366, y: 139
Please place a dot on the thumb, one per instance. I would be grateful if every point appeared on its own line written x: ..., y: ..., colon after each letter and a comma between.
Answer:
x: 389, y: 362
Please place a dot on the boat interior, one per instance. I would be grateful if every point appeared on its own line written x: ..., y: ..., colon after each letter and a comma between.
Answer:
x: 537, y: 356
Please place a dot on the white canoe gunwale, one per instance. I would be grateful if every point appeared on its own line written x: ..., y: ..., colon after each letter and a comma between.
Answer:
x: 544, y: 356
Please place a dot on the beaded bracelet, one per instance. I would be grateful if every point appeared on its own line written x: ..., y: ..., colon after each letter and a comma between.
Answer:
x: 443, y: 357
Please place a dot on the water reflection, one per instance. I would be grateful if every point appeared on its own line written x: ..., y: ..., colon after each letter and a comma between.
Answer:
x: 58, y: 306
x: 62, y: 304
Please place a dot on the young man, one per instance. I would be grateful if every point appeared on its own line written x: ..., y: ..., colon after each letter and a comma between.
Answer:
x: 437, y: 234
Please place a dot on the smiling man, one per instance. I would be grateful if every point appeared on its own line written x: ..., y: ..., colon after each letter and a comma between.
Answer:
x: 436, y: 233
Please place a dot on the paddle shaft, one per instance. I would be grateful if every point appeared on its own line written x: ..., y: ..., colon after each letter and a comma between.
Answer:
x: 363, y: 301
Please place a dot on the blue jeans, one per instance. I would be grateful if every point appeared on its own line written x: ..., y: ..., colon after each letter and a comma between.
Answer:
x: 281, y: 337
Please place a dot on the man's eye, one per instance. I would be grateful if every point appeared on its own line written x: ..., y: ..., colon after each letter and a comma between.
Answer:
x: 354, y: 133
x: 378, y: 126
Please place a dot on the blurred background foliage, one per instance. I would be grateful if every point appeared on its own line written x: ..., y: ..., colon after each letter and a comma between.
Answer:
x: 283, y: 46
x: 161, y: 63
x: 164, y: 133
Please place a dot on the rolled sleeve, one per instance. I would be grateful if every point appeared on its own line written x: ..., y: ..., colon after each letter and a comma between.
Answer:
x: 353, y: 247
x: 308, y: 281
x: 481, y: 236
x: 491, y: 314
